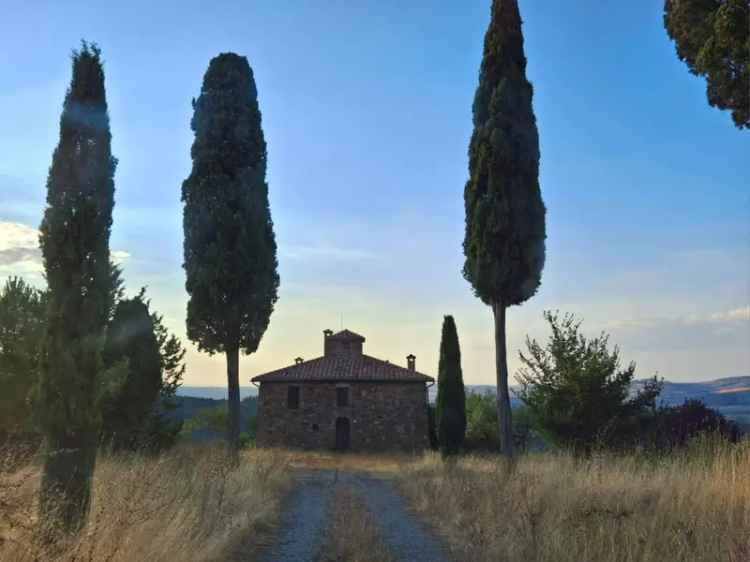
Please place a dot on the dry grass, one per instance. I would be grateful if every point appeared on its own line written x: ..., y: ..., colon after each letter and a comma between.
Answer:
x: 184, y: 505
x: 383, y: 463
x: 353, y: 533
x: 689, y: 507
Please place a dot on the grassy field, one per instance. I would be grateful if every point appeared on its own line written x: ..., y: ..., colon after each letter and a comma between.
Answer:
x: 184, y: 505
x: 692, y: 506
x: 188, y: 505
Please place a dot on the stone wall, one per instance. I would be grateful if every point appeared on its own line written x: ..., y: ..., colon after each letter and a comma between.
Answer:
x: 382, y: 416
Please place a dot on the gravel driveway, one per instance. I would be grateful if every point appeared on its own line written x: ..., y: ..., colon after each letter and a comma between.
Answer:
x: 304, y: 520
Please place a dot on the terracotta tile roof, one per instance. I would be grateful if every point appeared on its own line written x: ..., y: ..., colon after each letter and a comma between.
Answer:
x: 344, y: 368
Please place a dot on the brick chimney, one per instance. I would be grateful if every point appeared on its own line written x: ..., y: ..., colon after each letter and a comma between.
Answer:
x: 344, y: 343
x: 411, y: 361
x: 326, y: 345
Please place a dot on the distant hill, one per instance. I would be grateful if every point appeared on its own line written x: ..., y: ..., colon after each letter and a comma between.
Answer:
x: 214, y: 392
x: 189, y: 406
x: 730, y: 395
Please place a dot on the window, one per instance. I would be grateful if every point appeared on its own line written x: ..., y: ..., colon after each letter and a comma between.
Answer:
x: 292, y: 397
x: 342, y: 396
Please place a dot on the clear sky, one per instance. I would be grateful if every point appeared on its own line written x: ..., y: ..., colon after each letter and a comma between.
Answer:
x: 367, y: 115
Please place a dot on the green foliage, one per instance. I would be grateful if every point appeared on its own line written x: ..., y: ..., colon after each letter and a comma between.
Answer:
x: 481, y: 421
x: 431, y: 427
x: 230, y: 247
x: 22, y: 322
x: 131, y: 337
x: 677, y: 426
x: 713, y: 38
x: 577, y: 392
x: 75, y: 248
x: 482, y: 426
x: 505, y: 228
x: 450, y: 411
x: 144, y: 368
x: 214, y: 420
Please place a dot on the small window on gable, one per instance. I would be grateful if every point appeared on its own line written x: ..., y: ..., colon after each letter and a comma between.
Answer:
x: 292, y: 397
x: 342, y: 396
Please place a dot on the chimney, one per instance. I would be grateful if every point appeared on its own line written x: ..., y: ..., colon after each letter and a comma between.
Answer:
x: 411, y: 361
x: 298, y: 361
x: 326, y: 334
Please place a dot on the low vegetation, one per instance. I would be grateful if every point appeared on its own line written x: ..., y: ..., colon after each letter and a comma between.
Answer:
x: 187, y: 504
x: 692, y: 505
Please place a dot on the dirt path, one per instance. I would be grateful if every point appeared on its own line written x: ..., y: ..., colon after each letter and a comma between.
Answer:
x: 304, y: 519
x: 306, y: 516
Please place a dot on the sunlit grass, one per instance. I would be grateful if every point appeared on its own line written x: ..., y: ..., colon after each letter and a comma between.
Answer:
x: 188, y: 504
x: 688, y: 506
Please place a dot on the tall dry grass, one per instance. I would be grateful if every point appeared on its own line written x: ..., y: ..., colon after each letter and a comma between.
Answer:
x: 690, y: 506
x: 353, y: 534
x: 188, y: 504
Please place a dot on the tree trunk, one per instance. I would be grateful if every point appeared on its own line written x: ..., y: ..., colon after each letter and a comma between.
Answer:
x: 66, y: 481
x: 504, y: 418
x: 233, y: 402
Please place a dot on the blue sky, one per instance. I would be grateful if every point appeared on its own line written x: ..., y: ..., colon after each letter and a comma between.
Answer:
x: 367, y: 115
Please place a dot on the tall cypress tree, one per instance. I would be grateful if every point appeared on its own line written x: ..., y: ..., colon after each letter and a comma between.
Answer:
x: 450, y: 410
x: 230, y: 248
x: 505, y: 229
x: 75, y: 247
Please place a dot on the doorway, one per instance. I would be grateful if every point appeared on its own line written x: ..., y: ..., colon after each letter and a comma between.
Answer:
x: 343, y: 434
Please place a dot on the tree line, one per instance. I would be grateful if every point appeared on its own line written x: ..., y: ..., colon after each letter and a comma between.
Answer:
x: 84, y: 365
x: 575, y: 395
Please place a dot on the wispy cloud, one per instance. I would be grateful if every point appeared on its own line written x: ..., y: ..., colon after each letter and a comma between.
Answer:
x: 20, y: 253
x: 732, y: 316
x: 119, y: 256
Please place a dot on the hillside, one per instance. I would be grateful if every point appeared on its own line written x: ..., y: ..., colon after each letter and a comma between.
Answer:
x: 189, y: 406
x: 730, y: 395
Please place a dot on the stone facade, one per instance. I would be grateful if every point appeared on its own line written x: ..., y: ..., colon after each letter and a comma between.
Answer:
x: 381, y: 415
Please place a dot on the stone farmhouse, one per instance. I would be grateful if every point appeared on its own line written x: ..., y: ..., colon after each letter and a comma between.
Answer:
x: 344, y: 400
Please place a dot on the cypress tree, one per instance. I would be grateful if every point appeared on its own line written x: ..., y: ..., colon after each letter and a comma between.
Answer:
x: 75, y: 248
x: 505, y: 230
x: 450, y: 409
x: 229, y: 248
x: 131, y: 337
x: 712, y: 37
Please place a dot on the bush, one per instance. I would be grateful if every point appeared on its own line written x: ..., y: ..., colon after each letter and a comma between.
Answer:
x: 482, y: 428
x: 576, y: 391
x: 677, y: 426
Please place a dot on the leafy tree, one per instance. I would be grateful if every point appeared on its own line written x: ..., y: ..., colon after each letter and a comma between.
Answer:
x: 576, y: 390
x: 676, y: 426
x: 713, y: 38
x: 481, y: 421
x: 505, y: 228
x: 450, y: 411
x: 481, y: 424
x: 161, y: 431
x: 131, y: 337
x: 75, y: 246
x: 22, y: 321
x: 230, y: 248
